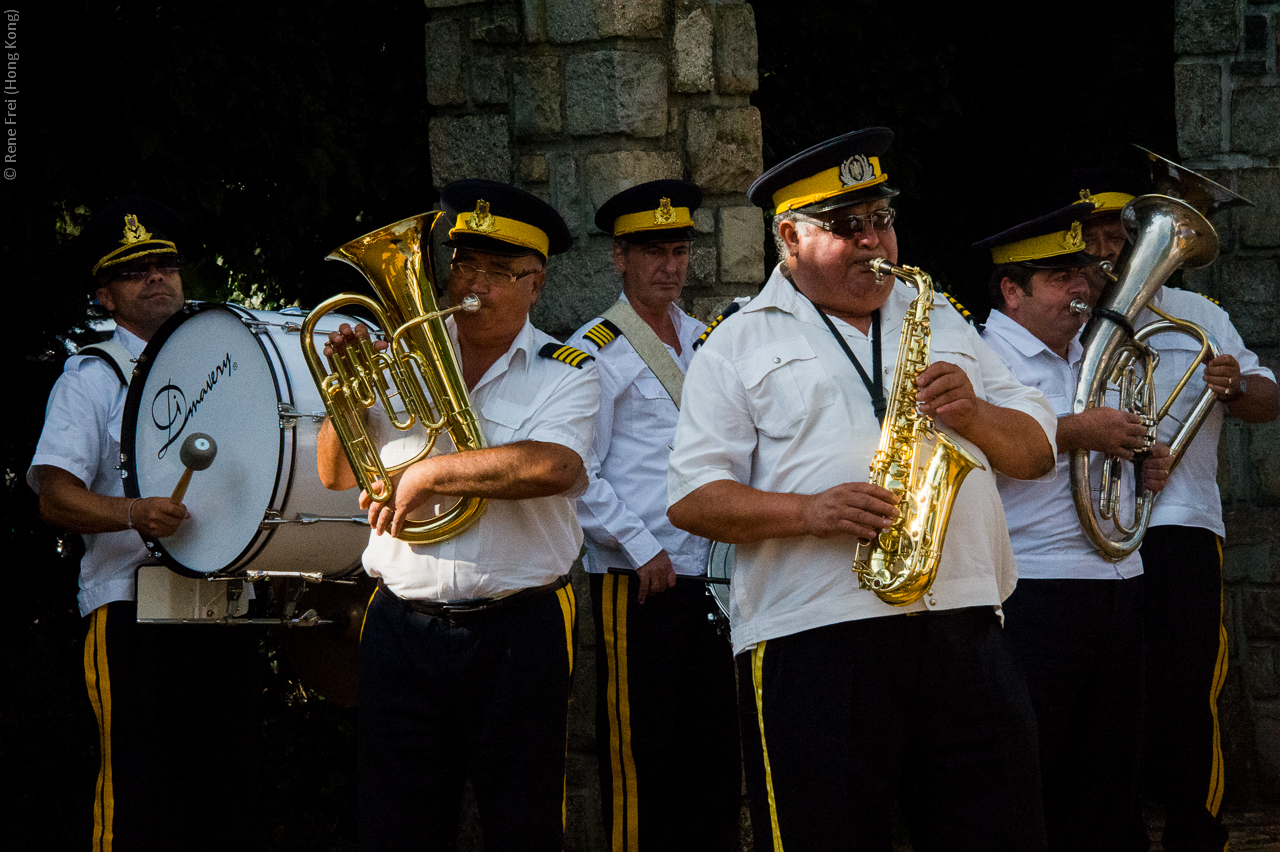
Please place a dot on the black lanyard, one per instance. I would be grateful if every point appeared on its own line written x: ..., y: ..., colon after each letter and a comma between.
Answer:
x: 876, y: 388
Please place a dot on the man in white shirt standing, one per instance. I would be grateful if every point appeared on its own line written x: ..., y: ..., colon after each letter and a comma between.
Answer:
x: 1186, y: 643
x: 467, y: 647
x: 1074, y: 621
x: 666, y: 725
x: 848, y: 704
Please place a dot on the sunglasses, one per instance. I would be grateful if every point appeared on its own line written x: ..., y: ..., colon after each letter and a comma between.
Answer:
x: 850, y: 227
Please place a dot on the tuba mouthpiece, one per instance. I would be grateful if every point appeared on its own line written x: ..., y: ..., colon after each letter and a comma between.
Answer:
x: 471, y: 303
x: 1079, y: 306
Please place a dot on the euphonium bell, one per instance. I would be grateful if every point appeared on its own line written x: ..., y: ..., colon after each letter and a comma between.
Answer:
x: 420, y: 368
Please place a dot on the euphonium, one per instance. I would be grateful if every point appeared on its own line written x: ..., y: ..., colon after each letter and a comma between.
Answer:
x: 915, y: 461
x: 1168, y: 231
x: 398, y: 265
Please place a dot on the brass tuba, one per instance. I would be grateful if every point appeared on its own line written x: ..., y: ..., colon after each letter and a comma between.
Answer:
x: 1169, y: 230
x: 420, y: 354
x: 915, y: 461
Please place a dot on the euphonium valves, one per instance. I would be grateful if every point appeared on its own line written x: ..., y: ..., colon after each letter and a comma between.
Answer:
x: 417, y: 380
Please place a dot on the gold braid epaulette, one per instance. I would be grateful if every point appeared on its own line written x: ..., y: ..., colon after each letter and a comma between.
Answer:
x: 567, y: 354
x: 730, y: 311
x: 602, y: 333
x: 964, y: 312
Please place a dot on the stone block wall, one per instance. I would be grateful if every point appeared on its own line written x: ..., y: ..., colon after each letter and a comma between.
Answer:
x: 575, y: 100
x: 1228, y: 114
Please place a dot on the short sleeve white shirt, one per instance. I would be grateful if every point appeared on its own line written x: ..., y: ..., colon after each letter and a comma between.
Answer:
x: 81, y: 435
x: 771, y: 401
x: 624, y: 510
x: 1043, y: 525
x: 516, y: 544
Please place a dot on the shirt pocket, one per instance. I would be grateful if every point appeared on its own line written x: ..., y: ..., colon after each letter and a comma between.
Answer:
x: 955, y: 348
x: 649, y: 407
x: 785, y: 382
x: 504, y: 422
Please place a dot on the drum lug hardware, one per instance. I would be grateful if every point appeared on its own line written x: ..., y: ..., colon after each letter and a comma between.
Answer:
x: 309, y: 576
x: 272, y: 519
x: 289, y: 414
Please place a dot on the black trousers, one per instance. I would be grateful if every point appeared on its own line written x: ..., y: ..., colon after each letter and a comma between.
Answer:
x: 441, y: 702
x: 926, y: 711
x: 1080, y: 646
x: 666, y: 721
x: 1186, y: 667
x: 178, y: 724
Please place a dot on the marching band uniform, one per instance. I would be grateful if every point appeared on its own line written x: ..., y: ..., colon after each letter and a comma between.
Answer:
x: 1074, y: 622
x: 666, y: 732
x: 846, y: 702
x: 466, y: 653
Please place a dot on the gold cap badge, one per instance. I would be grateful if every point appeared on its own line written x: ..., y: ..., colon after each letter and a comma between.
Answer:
x: 133, y: 231
x: 482, y: 220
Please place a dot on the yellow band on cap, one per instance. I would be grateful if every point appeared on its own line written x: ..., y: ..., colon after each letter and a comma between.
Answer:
x: 501, y: 228
x: 828, y: 184
x: 1038, y: 248
x: 1106, y: 202
x: 134, y: 251
x: 661, y: 219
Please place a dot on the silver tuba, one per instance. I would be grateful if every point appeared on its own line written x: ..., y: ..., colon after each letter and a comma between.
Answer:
x: 1169, y: 231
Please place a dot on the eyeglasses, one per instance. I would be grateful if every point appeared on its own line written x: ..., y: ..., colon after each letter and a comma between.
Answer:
x: 492, y: 277
x: 851, y: 227
x: 143, y: 274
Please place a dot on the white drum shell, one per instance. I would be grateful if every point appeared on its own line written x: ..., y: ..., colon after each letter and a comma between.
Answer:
x: 238, y: 376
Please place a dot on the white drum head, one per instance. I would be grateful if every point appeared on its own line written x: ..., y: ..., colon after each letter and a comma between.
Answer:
x: 209, y: 374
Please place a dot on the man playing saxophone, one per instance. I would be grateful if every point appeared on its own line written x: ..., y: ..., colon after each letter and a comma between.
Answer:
x: 1075, y: 621
x: 466, y: 650
x: 848, y: 703
x: 1186, y: 643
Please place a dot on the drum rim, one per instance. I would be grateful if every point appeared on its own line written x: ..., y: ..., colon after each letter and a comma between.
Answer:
x: 129, y: 428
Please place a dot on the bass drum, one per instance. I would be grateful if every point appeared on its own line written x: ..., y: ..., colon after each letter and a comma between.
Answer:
x: 238, y: 376
x: 720, y: 567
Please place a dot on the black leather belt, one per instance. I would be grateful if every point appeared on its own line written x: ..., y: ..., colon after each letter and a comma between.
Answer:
x: 474, y: 609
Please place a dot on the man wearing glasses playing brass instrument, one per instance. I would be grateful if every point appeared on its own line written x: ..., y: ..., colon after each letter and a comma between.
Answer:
x: 666, y: 735
x: 467, y: 647
x: 848, y: 704
x: 1186, y: 643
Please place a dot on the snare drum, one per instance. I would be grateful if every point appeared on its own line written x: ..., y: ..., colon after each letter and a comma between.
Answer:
x: 238, y: 376
x: 720, y: 566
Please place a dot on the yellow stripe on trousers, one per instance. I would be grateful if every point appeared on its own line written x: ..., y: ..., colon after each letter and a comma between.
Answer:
x: 626, y: 817
x: 97, y: 679
x: 1216, y: 780
x: 569, y: 608
x: 757, y: 679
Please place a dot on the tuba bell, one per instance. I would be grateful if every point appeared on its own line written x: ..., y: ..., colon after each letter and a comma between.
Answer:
x: 1169, y: 230
x: 420, y: 368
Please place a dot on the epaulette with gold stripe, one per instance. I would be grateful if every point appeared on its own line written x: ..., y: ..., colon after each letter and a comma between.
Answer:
x: 729, y: 311
x: 964, y: 312
x: 602, y: 333
x: 567, y: 354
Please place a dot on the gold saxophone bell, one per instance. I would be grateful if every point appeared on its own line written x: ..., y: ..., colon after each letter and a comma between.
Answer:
x: 420, y: 368
x: 915, y: 461
x: 1169, y: 231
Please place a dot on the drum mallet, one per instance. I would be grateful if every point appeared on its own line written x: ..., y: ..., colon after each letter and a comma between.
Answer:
x: 197, y: 453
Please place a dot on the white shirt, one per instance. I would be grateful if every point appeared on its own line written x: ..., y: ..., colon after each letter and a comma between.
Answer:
x: 516, y: 544
x: 1043, y: 524
x: 773, y: 402
x: 82, y: 436
x: 624, y: 510
x: 1191, y: 498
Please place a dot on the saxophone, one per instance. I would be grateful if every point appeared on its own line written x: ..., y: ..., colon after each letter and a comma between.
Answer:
x: 915, y: 461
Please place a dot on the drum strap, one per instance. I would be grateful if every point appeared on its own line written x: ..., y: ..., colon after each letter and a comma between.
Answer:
x: 115, y: 355
x: 648, y: 346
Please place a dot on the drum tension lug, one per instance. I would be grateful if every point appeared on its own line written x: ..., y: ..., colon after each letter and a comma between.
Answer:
x: 289, y: 414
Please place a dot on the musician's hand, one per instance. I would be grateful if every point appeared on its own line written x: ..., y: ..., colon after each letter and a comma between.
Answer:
x: 946, y: 393
x: 1107, y: 430
x: 1156, y: 469
x: 412, y: 490
x: 656, y: 576
x: 1222, y: 375
x: 859, y: 509
x: 157, y: 517
x: 347, y: 336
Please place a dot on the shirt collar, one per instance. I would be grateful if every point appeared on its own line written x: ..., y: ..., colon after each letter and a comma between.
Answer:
x: 1027, y: 343
x: 523, y: 346
x: 129, y: 340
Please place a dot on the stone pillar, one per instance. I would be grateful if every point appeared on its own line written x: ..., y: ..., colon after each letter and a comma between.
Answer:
x: 574, y: 101
x: 1228, y: 114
